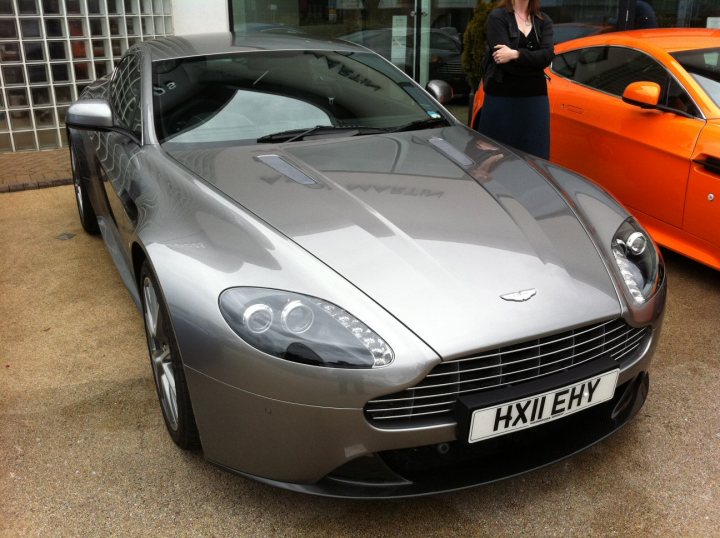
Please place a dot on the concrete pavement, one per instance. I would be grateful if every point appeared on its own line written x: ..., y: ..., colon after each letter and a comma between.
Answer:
x: 84, y: 452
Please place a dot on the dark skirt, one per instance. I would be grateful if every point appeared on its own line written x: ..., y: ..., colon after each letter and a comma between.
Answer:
x: 520, y: 122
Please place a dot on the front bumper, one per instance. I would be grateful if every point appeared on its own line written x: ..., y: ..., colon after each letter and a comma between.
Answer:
x: 452, y: 466
x: 337, y: 452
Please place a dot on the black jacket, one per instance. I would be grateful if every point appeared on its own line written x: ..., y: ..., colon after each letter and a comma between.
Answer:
x: 503, y: 30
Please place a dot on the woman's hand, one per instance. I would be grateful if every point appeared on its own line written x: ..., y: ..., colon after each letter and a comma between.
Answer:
x: 504, y: 54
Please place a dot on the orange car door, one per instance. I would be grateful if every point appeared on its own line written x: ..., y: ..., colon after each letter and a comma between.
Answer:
x: 641, y: 156
x: 702, y: 206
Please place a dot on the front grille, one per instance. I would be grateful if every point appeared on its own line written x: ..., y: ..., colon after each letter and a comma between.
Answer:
x: 435, y: 396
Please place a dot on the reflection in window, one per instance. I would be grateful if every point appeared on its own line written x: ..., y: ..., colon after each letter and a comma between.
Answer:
x: 10, y: 52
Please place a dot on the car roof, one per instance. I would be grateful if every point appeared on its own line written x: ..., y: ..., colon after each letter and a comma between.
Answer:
x: 666, y: 39
x: 173, y: 47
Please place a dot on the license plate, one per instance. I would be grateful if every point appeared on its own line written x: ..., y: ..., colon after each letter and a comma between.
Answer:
x: 542, y: 408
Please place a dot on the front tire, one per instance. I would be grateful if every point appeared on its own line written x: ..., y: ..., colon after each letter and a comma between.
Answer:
x: 166, y: 364
x: 88, y: 218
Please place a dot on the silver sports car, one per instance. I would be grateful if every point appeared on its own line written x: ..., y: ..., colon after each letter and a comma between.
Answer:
x: 347, y: 292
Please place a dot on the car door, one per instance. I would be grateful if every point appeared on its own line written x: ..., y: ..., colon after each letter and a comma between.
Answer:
x: 640, y: 155
x: 702, y: 206
x: 118, y: 148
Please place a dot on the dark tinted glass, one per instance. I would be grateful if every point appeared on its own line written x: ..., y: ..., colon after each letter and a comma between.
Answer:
x: 611, y: 69
x: 243, y: 97
x: 125, y: 95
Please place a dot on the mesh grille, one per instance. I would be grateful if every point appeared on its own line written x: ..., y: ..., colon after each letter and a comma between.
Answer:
x: 435, y: 396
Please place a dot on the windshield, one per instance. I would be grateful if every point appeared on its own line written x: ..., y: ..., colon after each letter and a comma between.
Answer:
x: 704, y: 66
x: 242, y: 97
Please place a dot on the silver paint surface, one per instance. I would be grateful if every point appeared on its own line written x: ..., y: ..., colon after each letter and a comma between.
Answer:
x: 417, y: 234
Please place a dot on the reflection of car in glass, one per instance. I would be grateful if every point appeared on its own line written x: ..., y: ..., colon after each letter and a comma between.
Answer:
x: 345, y: 290
x: 267, y: 28
x: 566, y: 31
x: 639, y: 112
x: 445, y: 53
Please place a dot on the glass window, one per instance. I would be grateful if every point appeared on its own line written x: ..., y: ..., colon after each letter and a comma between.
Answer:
x: 57, y: 50
x: 17, y: 97
x: 34, y: 51
x: 63, y: 94
x: 101, y: 69
x: 37, y: 74
x: 60, y: 72
x: 51, y: 7
x: 13, y: 74
x: 8, y: 29
x: 79, y: 48
x: 47, y: 138
x: 611, y: 69
x: 20, y: 119
x: 24, y: 141
x: 114, y: 6
x: 243, y: 97
x: 77, y: 27
x: 44, y: 117
x: 40, y: 96
x: 94, y: 7
x: 10, y: 52
x: 5, y: 142
x: 72, y: 7
x: 125, y: 95
x: 62, y: 113
x: 6, y: 7
x: 30, y: 28
x: 27, y: 7
x: 97, y: 27
x: 82, y: 71
x: 704, y: 66
x: 54, y: 28
x: 100, y: 48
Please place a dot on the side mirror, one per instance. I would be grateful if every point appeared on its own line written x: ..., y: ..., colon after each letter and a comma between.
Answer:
x: 643, y: 94
x: 440, y: 90
x: 92, y: 114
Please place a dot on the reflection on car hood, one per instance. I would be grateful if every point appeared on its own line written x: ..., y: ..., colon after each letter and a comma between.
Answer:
x: 436, y: 226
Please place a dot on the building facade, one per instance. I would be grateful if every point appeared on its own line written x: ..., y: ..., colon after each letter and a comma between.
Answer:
x: 51, y: 49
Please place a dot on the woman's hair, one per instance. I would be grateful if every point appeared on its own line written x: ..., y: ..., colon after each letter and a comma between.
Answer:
x: 533, y: 7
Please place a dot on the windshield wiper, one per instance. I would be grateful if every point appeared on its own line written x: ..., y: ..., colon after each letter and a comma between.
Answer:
x: 318, y: 130
x: 420, y: 124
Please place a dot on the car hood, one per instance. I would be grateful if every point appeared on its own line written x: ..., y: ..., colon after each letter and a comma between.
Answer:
x: 439, y: 227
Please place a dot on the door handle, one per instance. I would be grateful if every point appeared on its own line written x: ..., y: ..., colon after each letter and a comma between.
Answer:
x: 711, y: 164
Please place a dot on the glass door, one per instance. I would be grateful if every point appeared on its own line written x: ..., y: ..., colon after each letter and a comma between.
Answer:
x: 421, y: 37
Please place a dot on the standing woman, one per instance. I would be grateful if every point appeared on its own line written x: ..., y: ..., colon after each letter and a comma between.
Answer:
x: 516, y: 110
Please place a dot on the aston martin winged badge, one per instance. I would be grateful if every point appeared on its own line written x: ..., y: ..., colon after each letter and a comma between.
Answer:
x: 520, y: 296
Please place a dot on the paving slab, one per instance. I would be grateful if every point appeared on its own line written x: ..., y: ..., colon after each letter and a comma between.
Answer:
x: 25, y: 170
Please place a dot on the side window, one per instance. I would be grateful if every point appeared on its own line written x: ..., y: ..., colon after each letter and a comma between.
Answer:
x: 611, y: 69
x: 125, y: 95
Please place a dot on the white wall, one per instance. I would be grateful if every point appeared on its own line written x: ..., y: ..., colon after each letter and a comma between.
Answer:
x: 200, y: 16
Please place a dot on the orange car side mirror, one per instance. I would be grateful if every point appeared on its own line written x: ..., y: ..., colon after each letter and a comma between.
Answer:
x: 643, y: 94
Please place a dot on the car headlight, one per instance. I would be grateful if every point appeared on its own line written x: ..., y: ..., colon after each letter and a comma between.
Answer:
x: 637, y: 260
x: 303, y: 329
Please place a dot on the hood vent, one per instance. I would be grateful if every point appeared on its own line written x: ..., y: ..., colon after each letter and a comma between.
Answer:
x: 455, y: 155
x: 287, y: 169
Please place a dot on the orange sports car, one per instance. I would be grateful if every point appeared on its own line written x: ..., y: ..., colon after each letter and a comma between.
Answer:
x: 638, y: 112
